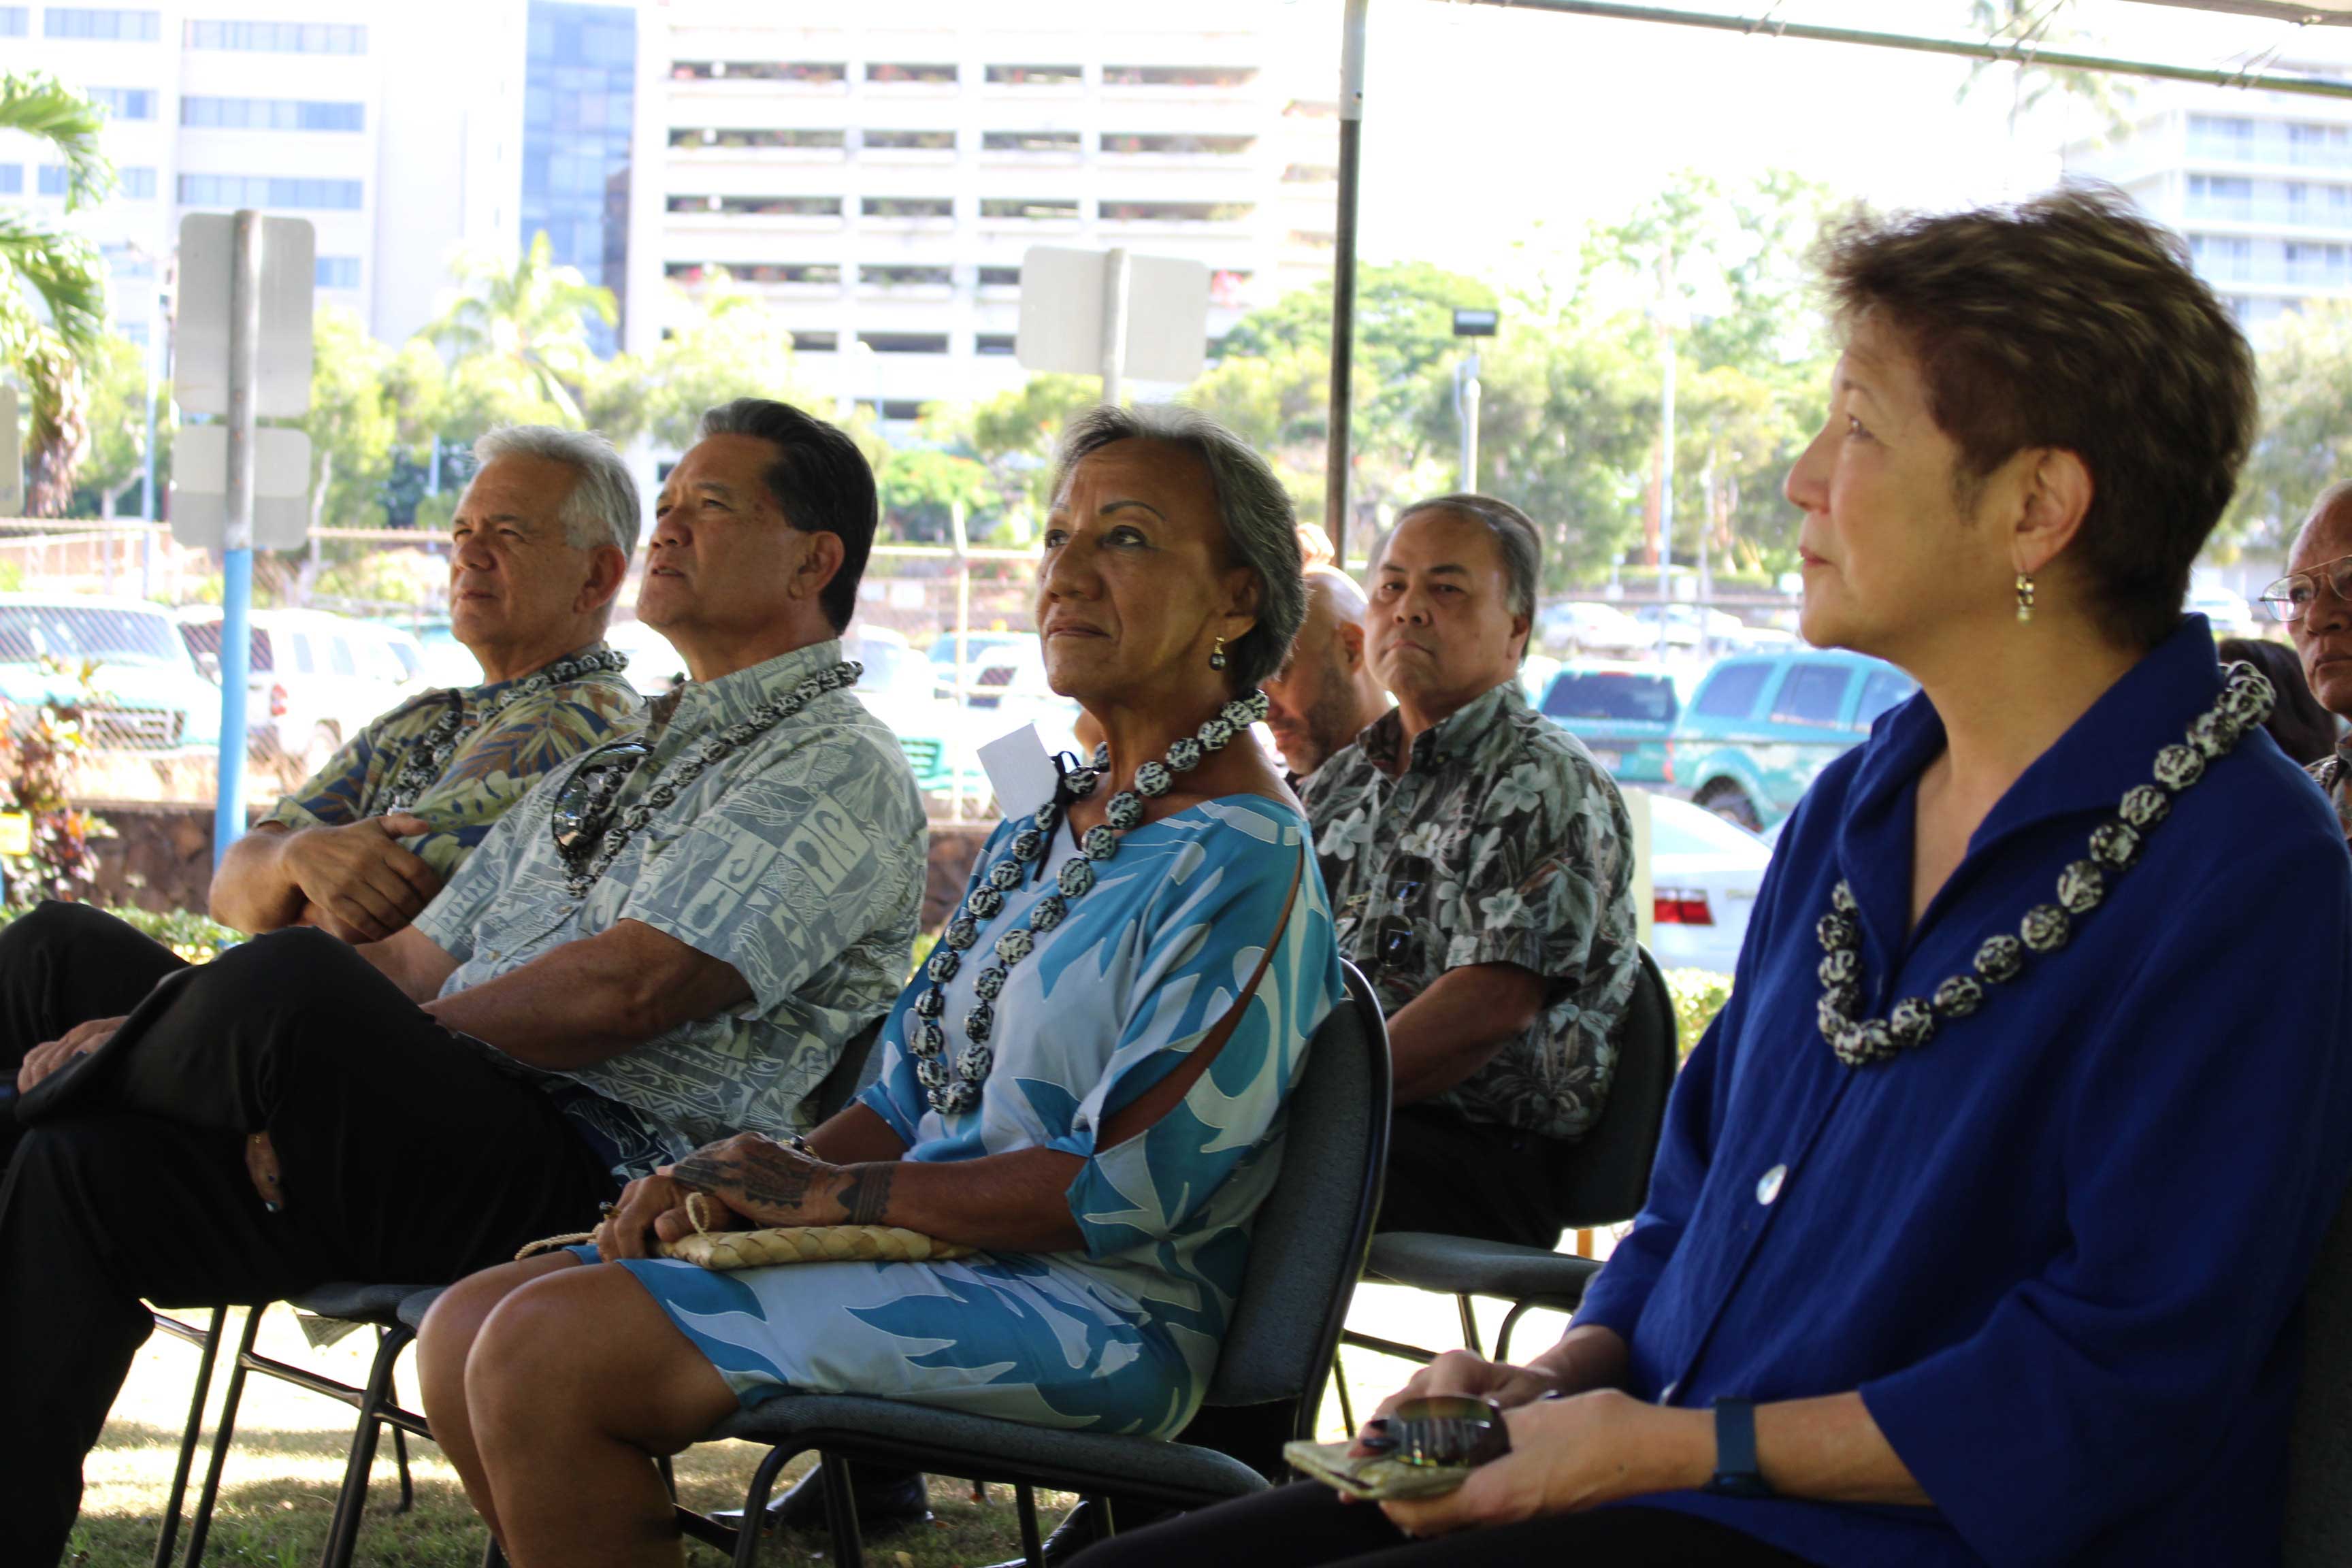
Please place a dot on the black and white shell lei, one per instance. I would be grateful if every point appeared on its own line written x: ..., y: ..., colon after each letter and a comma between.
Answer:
x: 2115, y: 846
x: 427, y: 757
x: 697, y: 762
x: 952, y: 1086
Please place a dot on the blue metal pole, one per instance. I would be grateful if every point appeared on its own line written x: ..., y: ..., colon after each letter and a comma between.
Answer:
x: 235, y: 667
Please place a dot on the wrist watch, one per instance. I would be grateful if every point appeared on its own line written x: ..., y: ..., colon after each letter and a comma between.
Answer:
x: 1736, y: 1473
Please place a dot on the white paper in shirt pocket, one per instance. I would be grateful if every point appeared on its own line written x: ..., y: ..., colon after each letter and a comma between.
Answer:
x: 1019, y: 771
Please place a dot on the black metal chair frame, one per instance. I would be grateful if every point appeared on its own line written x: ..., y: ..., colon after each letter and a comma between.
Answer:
x: 1580, y: 1215
x: 841, y: 1447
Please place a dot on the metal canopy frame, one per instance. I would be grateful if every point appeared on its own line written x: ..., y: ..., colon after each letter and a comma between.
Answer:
x: 2308, y: 12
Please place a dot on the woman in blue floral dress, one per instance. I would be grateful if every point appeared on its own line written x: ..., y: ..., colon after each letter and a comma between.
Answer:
x: 1086, y: 1082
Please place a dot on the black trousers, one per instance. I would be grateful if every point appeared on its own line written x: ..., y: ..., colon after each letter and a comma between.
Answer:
x: 405, y: 1154
x: 1305, y: 1523
x: 1458, y: 1177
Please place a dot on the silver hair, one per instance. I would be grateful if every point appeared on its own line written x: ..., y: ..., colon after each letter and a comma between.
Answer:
x: 603, y: 508
x: 1261, y: 526
x: 2321, y: 505
x: 1514, y: 536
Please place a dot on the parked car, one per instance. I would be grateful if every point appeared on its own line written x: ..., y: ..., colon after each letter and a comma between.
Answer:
x: 315, y: 680
x: 152, y: 697
x: 988, y: 662
x: 1761, y: 726
x: 1724, y: 629
x: 1581, y: 628
x: 1704, y: 876
x: 2230, y: 615
x: 1623, y: 713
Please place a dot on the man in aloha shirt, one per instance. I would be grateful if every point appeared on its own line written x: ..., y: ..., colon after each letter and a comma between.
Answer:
x: 667, y: 940
x: 2322, y: 629
x: 1480, y: 870
x: 538, y: 545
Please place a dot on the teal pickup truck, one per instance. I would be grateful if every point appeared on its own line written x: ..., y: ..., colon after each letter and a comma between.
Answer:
x: 1760, y: 727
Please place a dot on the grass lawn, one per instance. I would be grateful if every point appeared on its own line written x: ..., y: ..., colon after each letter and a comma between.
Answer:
x: 280, y: 1486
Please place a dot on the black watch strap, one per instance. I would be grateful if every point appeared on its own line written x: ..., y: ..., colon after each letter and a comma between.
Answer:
x: 1736, y: 1473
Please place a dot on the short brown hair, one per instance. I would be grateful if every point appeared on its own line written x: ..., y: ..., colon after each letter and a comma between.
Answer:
x: 2071, y: 320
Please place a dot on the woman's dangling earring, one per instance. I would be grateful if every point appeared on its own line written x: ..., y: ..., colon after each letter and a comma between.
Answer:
x: 2024, y: 596
x: 1217, y: 655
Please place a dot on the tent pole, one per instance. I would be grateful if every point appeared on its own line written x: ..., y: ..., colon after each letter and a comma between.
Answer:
x: 1343, y: 278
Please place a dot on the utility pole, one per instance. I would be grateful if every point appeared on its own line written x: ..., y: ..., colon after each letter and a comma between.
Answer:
x: 1118, y: 275
x: 1343, y: 276
x: 236, y: 544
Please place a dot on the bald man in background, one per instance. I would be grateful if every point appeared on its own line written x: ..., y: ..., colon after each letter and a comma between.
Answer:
x: 1327, y: 693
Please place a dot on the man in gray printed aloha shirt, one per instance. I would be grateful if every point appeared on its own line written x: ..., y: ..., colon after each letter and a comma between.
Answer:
x: 1479, y: 864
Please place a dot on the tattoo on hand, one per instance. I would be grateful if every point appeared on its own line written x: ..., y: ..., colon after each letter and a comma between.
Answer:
x: 867, y: 1195
x: 753, y: 1175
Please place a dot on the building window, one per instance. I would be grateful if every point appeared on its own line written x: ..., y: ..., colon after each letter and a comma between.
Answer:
x: 1000, y: 278
x: 84, y: 22
x: 745, y: 137
x: 822, y: 273
x: 910, y: 141
x: 905, y: 342
x: 578, y: 113
x: 1310, y: 175
x: 1168, y: 144
x: 125, y: 102
x: 1176, y: 211
x: 53, y: 179
x: 902, y: 408
x: 1029, y: 141
x: 337, y: 271
x: 1036, y: 76
x: 906, y: 276
x: 12, y: 179
x: 935, y: 76
x: 811, y: 72
x: 135, y: 183
x: 272, y: 114
x: 279, y: 37
x: 1179, y: 76
x: 759, y: 207
x: 1050, y: 211
x: 907, y: 206
x: 816, y: 343
x: 13, y: 20
x: 994, y: 343
x: 269, y: 191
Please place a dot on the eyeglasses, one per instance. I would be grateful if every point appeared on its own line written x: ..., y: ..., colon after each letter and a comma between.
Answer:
x: 2291, y: 595
x: 584, y: 806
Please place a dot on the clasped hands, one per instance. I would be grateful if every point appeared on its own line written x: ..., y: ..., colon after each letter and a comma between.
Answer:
x: 1571, y: 1448
x: 746, y: 1182
x: 50, y: 1055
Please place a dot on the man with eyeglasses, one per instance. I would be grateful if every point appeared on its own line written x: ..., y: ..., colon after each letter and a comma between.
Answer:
x: 1479, y: 863
x: 2315, y: 600
x: 668, y: 941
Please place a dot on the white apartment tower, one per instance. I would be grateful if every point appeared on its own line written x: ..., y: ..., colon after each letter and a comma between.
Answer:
x: 876, y: 171
x: 2260, y: 184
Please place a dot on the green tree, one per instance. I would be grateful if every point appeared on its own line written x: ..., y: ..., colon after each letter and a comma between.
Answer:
x: 921, y: 486
x: 2031, y: 24
x: 352, y: 423
x: 531, y: 315
x: 52, y: 286
x: 727, y: 344
x: 1012, y: 436
x: 2305, y: 443
x: 117, y: 461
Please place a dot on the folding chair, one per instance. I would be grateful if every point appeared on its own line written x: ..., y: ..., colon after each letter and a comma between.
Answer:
x: 1306, y: 1250
x: 380, y: 1307
x: 1601, y: 1179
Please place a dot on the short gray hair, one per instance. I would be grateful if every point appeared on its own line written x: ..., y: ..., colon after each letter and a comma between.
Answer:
x: 2321, y: 505
x: 1514, y: 535
x: 603, y: 508
x: 1261, y: 526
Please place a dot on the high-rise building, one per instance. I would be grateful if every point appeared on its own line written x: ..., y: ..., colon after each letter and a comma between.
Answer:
x: 2260, y: 184
x: 398, y: 148
x: 578, y: 121
x: 875, y: 171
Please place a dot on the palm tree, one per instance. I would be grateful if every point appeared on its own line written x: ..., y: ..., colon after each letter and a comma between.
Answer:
x: 53, y: 285
x: 2025, y: 26
x: 533, y: 313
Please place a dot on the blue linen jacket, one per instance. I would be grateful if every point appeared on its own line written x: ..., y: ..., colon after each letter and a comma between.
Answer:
x: 2060, y: 1249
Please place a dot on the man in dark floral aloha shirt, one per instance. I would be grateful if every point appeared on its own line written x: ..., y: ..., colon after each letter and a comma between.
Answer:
x: 1479, y: 863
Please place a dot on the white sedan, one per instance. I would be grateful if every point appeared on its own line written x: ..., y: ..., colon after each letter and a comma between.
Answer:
x: 1704, y: 874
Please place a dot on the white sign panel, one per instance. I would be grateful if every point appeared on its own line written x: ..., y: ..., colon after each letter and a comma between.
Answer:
x: 12, y: 457
x: 200, y: 348
x: 1062, y: 314
x: 282, y: 487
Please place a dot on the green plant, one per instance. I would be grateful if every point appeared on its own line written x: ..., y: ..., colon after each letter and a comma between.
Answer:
x: 194, y: 937
x: 1699, y: 995
x: 40, y: 750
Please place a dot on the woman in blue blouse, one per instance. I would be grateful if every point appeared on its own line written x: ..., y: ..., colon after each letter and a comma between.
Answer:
x: 1087, y: 1083
x: 1983, y: 1210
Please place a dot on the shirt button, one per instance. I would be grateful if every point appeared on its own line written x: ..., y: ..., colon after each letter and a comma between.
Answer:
x: 1768, y: 1186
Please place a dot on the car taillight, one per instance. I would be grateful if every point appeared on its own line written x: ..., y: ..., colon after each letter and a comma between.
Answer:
x: 278, y: 702
x: 1682, y: 906
x: 1668, y: 766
